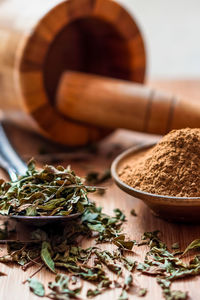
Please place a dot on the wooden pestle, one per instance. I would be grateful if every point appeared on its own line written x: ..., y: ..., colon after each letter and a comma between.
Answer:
x: 112, y: 103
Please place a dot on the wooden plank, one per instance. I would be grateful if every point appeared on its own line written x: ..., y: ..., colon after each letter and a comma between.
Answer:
x: 29, y: 145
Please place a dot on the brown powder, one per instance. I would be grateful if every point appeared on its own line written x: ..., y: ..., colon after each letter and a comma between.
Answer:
x: 170, y: 168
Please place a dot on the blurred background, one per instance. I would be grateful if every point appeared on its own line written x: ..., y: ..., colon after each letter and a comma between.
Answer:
x: 172, y: 30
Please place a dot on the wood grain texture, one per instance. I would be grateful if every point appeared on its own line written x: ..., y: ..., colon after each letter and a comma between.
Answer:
x: 28, y: 145
x: 113, y: 103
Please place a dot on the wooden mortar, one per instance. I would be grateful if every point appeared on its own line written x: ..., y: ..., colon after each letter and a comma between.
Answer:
x: 42, y: 39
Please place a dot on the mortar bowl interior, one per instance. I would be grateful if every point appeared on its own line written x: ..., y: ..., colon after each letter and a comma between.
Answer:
x: 175, y: 209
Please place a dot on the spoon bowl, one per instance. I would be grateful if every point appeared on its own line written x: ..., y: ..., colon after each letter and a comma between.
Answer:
x: 176, y: 209
x: 14, y: 166
x: 39, y: 221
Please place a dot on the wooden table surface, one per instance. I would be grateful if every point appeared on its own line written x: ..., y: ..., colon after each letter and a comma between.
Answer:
x: 28, y: 145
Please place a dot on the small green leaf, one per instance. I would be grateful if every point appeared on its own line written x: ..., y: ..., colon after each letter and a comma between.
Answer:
x: 122, y: 243
x: 177, y: 295
x: 46, y: 256
x: 119, y: 214
x: 96, y: 227
x: 128, y: 282
x: 123, y: 295
x: 31, y: 165
x: 106, y: 258
x: 142, y: 292
x: 193, y: 245
x: 36, y: 287
x: 175, y: 246
x: 93, y: 293
x: 133, y: 213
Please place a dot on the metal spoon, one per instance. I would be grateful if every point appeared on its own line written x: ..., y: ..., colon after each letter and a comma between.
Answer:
x: 14, y: 166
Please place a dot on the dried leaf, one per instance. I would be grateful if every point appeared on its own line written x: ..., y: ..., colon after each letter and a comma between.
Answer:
x: 96, y: 178
x: 122, y: 243
x: 36, y: 287
x: 93, y: 293
x: 193, y: 245
x: 175, y: 246
x: 46, y: 256
x: 142, y: 292
x: 60, y: 288
x: 128, y: 263
x: 123, y: 295
x: 128, y: 282
x: 159, y: 261
x: 119, y: 214
x: 102, y: 287
x: 168, y: 294
x: 58, y: 191
x: 133, y: 213
x: 106, y: 258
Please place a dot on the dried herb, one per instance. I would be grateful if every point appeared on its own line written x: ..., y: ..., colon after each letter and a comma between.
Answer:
x: 142, y: 292
x: 56, y: 247
x: 128, y: 263
x: 46, y: 256
x: 102, y: 287
x: 128, y: 282
x: 167, y: 267
x: 122, y: 243
x: 97, y: 178
x: 93, y: 293
x: 50, y: 191
x: 192, y: 246
x: 36, y: 287
x: 119, y: 214
x: 133, y: 213
x: 108, y: 227
x: 106, y: 258
x: 175, y: 246
x: 60, y: 288
x: 168, y: 294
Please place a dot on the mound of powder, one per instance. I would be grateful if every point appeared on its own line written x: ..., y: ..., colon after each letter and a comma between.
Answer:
x: 170, y: 168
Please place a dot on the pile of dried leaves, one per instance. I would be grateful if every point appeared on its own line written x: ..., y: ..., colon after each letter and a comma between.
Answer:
x: 48, y: 192
x: 168, y: 266
x: 58, y: 247
x: 58, y: 191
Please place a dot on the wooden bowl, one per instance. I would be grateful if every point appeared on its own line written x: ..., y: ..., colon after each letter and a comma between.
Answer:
x: 176, y: 209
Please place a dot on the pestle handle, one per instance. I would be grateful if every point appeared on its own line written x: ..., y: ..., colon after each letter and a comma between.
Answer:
x: 113, y: 103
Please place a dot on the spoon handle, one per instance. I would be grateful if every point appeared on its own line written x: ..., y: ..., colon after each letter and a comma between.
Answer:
x: 9, y: 159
